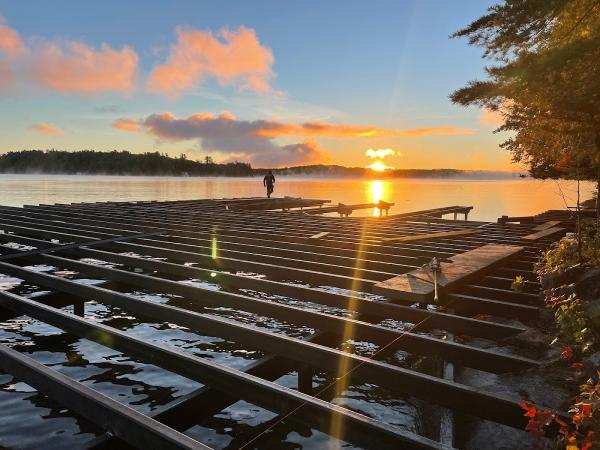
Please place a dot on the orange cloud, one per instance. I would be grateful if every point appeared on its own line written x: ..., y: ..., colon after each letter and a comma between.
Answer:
x: 449, y: 131
x: 232, y: 57
x: 66, y: 66
x: 275, y: 129
x: 45, y: 128
x: 255, y: 140
x: 74, y: 67
x: 167, y: 126
x: 11, y: 44
x: 126, y: 125
x: 307, y: 152
x: 11, y: 47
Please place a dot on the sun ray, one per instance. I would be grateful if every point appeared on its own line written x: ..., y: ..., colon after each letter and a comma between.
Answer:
x: 342, y: 378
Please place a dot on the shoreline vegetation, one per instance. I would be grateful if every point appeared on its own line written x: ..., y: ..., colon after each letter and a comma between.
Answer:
x: 125, y: 163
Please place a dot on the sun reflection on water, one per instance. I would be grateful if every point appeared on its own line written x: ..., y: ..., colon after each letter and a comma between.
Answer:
x: 377, y: 191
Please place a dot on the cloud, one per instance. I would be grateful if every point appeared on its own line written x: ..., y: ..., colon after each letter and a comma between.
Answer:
x: 274, y: 129
x: 47, y: 129
x: 11, y: 48
x: 226, y: 134
x: 307, y: 152
x: 232, y: 57
x: 126, y: 125
x: 74, y: 67
x: 254, y: 140
x: 11, y: 44
x: 381, y: 153
x: 66, y: 66
x: 449, y: 131
x: 200, y: 125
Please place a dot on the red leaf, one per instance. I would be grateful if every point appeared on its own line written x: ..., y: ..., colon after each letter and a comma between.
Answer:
x: 529, y: 408
x: 567, y: 353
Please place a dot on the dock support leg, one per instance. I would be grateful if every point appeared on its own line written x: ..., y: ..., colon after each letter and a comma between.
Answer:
x: 79, y: 308
x: 447, y: 419
x: 305, y: 375
x: 455, y: 216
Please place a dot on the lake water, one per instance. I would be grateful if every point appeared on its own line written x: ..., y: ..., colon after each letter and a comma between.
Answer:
x: 491, y: 198
x: 28, y: 420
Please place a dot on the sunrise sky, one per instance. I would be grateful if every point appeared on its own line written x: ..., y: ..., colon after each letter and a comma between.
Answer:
x: 269, y: 83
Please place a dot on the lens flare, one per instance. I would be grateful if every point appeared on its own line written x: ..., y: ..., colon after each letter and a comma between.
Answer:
x: 337, y: 425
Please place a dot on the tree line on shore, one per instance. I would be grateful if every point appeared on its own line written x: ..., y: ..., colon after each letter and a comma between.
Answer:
x: 332, y: 171
x: 115, y: 163
x: 91, y: 162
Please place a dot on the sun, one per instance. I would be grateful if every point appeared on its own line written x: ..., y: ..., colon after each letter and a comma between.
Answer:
x: 378, y: 166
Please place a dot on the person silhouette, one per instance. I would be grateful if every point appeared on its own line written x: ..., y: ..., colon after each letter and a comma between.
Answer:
x: 268, y: 182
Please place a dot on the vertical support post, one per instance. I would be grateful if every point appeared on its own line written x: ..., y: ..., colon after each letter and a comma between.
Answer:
x: 455, y: 215
x: 79, y: 308
x: 305, y: 375
x: 447, y: 419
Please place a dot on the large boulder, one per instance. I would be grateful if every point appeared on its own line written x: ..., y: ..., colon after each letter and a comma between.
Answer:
x: 588, y: 285
x: 554, y: 280
x: 592, y: 312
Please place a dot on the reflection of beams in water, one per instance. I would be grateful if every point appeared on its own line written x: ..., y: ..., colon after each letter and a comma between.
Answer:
x: 112, y: 374
x: 120, y: 377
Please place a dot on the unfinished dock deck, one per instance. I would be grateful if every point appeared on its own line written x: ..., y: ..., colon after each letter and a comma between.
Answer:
x: 206, y: 256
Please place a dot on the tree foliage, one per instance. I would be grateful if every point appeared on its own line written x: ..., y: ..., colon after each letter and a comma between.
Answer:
x: 114, y: 163
x: 545, y: 81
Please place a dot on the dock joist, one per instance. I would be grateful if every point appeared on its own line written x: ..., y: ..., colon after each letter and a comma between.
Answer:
x: 268, y: 260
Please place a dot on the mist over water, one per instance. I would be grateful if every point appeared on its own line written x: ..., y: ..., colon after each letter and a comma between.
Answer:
x: 491, y: 197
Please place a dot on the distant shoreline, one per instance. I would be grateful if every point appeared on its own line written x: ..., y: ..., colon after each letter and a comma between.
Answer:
x: 124, y: 163
x: 459, y: 176
x: 466, y: 177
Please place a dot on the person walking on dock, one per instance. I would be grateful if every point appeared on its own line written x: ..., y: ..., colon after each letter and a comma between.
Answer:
x: 268, y: 182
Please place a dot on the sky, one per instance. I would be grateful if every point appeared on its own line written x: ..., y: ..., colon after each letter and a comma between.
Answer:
x: 267, y: 82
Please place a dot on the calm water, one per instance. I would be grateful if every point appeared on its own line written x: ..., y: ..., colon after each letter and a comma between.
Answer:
x: 491, y: 198
x: 149, y: 388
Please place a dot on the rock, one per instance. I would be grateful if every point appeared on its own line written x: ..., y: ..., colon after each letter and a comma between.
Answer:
x: 594, y: 360
x: 531, y: 385
x: 552, y: 280
x: 588, y: 285
x: 493, y: 436
x: 530, y: 342
x: 592, y: 312
x: 565, y: 290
